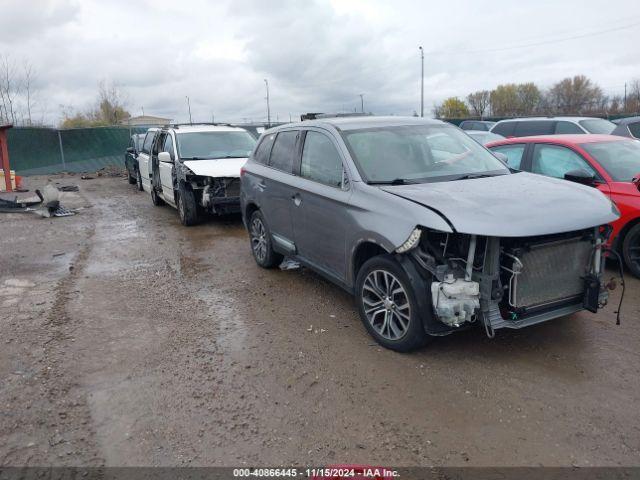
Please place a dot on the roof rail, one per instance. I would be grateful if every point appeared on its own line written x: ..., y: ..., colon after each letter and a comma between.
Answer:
x: 315, y: 116
x: 178, y: 125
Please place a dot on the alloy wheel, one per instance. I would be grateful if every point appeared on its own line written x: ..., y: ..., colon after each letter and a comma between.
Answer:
x: 386, y: 304
x: 258, y: 239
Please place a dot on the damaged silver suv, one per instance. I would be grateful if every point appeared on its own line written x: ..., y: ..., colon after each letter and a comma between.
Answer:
x: 429, y: 230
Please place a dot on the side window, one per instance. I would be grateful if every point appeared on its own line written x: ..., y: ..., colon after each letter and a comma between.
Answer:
x: 567, y: 127
x: 157, y: 141
x: 555, y: 161
x: 514, y: 154
x: 168, y: 145
x: 466, y: 125
x: 506, y: 129
x: 264, y: 149
x: 538, y: 127
x: 284, y: 151
x: 321, y: 161
x: 148, y: 140
x: 634, y: 128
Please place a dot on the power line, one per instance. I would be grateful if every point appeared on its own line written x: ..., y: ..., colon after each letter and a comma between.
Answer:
x: 546, y: 42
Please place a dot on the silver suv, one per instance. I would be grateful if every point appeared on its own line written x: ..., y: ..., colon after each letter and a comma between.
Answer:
x: 427, y: 229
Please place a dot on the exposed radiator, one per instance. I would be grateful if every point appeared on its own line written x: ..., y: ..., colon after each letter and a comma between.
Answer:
x: 548, y: 272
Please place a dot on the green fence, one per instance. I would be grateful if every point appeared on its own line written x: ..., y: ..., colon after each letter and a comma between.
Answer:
x: 37, y: 151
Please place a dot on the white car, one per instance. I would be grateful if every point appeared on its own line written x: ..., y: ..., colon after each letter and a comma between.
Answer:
x: 196, y: 168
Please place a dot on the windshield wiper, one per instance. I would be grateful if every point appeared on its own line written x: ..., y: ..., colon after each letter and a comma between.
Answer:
x: 395, y: 181
x: 470, y: 176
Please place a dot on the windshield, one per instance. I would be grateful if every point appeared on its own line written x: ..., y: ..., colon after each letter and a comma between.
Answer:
x: 416, y: 153
x: 207, y: 145
x: 620, y: 159
x: 598, y: 125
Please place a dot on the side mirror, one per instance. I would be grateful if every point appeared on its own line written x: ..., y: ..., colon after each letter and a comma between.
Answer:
x: 502, y: 157
x: 580, y: 176
x: 165, y: 157
x: 131, y: 150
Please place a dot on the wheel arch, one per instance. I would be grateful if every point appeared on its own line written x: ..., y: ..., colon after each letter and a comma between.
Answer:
x: 619, y: 241
x: 363, y: 251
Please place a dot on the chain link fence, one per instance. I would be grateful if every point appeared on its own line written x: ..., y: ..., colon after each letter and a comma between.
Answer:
x: 40, y: 151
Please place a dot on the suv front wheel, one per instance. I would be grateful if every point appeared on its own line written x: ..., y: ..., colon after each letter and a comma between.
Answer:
x: 187, y: 208
x: 387, y: 304
x: 631, y: 250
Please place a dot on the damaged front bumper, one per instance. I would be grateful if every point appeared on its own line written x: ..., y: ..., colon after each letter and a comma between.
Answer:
x: 510, y: 282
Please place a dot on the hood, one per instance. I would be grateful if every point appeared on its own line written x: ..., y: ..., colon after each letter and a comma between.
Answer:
x: 516, y: 205
x: 221, y: 167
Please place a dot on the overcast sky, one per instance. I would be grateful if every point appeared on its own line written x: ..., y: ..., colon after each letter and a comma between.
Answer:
x: 318, y: 55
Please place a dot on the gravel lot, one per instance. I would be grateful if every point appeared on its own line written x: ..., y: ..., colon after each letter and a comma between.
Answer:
x: 127, y: 339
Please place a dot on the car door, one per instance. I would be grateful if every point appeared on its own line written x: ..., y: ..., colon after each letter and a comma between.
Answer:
x: 143, y: 160
x: 277, y: 190
x: 320, y: 214
x: 166, y: 168
x: 557, y: 160
x: 514, y: 152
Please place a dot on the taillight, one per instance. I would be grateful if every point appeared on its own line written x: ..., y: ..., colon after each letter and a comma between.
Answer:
x: 242, y: 170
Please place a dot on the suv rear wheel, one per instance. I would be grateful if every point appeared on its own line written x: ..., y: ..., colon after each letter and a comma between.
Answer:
x: 631, y: 250
x: 261, y: 246
x: 387, y: 304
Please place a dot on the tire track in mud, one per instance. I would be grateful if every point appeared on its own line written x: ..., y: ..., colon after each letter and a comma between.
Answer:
x: 72, y: 436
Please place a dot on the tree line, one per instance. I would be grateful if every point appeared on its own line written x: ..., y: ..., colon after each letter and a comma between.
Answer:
x: 18, y: 96
x: 576, y: 95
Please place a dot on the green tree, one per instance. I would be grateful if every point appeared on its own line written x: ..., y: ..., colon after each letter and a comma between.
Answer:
x: 453, y: 107
x: 505, y: 101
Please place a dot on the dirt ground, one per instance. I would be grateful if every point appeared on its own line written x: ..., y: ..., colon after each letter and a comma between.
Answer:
x: 128, y: 339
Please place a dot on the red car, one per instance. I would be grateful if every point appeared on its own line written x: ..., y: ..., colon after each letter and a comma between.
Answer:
x: 609, y: 163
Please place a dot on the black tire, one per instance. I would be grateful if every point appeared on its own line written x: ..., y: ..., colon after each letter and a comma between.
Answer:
x: 139, y: 180
x: 130, y: 178
x: 631, y: 250
x: 392, y: 318
x: 187, y: 207
x: 155, y: 199
x: 261, y: 246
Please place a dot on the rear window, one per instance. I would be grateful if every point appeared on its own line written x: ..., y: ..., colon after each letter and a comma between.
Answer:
x: 567, y: 127
x: 264, y: 149
x: 504, y: 128
x: 466, y: 125
x: 284, y: 151
x: 537, y: 127
x: 598, y: 125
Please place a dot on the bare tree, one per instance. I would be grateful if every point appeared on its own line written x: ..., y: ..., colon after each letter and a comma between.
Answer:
x: 575, y: 95
x: 479, y: 102
x: 29, y: 77
x: 9, y: 88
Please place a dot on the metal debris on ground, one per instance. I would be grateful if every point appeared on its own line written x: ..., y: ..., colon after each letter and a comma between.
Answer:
x: 47, y: 205
x: 69, y: 188
x: 289, y: 264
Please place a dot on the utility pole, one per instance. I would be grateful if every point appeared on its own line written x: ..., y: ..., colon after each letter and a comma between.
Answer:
x: 362, y: 102
x: 421, y: 82
x: 142, y: 111
x: 268, y: 107
x: 625, y: 97
x: 213, y: 118
x: 189, y: 105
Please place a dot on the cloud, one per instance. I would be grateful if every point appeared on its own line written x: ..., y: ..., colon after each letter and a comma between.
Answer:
x: 318, y: 55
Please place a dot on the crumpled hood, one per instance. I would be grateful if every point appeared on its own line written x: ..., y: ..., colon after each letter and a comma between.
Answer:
x: 221, y: 167
x: 517, y: 205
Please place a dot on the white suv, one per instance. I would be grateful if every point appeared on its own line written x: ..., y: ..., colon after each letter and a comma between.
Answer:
x: 196, y: 168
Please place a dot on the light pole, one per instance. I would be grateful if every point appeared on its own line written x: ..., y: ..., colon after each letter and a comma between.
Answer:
x: 189, y: 105
x: 421, y: 81
x: 362, y: 102
x: 268, y: 107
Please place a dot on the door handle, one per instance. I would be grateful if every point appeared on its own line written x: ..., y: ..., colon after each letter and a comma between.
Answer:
x: 261, y: 186
x: 297, y: 199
